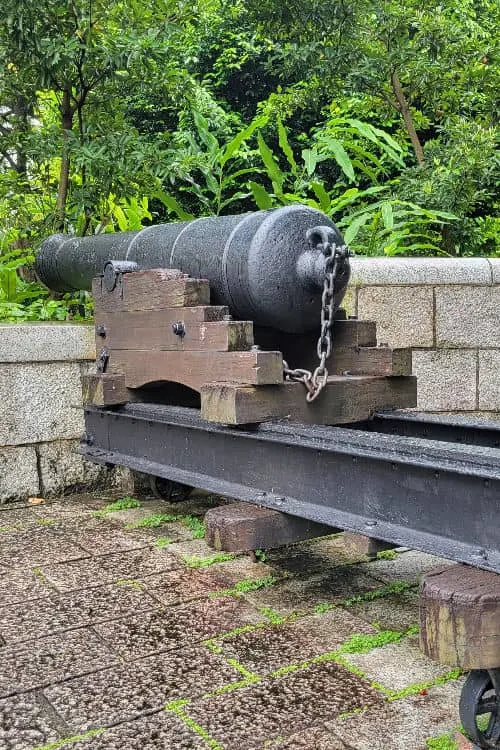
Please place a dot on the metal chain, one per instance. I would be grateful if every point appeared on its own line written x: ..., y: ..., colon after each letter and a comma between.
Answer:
x: 317, y: 380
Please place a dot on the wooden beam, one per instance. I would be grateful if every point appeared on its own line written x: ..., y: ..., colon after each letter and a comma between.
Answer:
x: 132, y: 330
x: 460, y: 617
x: 241, y: 527
x: 104, y: 389
x: 345, y: 399
x: 193, y: 369
x: 359, y: 544
x: 154, y: 289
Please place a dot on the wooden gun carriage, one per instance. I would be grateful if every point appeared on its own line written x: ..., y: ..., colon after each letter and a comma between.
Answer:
x: 199, y: 382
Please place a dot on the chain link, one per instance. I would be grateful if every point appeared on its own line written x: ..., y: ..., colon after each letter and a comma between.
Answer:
x: 317, y: 380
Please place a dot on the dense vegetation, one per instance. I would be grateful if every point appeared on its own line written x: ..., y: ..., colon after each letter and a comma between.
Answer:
x: 116, y: 114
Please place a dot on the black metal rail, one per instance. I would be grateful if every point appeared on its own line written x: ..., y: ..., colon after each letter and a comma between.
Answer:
x: 440, y: 497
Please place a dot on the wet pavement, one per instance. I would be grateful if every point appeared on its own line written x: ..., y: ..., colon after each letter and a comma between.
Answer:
x: 121, y: 630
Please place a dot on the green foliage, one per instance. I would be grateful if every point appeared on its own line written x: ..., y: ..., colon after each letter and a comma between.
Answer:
x: 125, y: 503
x: 359, y: 644
x: 154, y: 520
x: 194, y: 561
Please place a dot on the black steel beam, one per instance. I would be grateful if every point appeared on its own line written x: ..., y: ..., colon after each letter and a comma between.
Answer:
x: 454, y: 429
x: 436, y: 496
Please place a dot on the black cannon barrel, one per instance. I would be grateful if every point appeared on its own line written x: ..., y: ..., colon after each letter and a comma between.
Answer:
x: 259, y: 264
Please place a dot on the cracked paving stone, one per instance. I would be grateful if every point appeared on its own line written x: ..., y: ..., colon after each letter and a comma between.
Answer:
x: 51, y: 659
x: 296, y: 595
x: 267, y: 649
x: 409, y: 566
x: 17, y: 585
x: 394, y: 612
x: 247, y: 717
x: 98, y: 570
x: 398, y: 665
x: 124, y: 692
x: 405, y: 724
x: 24, y: 724
x: 166, y: 629
x: 60, y: 612
x: 160, y: 731
x: 38, y: 546
x: 63, y: 511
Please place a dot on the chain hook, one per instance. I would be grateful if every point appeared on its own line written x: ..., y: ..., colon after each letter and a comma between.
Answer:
x: 322, y: 238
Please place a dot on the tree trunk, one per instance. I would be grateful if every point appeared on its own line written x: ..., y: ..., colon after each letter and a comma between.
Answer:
x: 404, y: 108
x: 67, y: 113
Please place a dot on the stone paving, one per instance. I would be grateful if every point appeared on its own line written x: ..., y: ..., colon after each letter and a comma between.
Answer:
x: 121, y: 630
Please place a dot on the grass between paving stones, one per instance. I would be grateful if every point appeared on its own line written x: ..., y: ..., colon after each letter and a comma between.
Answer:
x: 125, y: 503
x: 195, y: 561
x: 246, y: 585
x: 67, y: 740
x: 387, y: 554
x: 162, y: 541
x: 176, y: 707
x: 154, y: 520
x: 443, y: 742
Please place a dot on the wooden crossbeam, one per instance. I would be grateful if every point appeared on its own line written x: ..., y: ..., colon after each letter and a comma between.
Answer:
x: 345, y: 399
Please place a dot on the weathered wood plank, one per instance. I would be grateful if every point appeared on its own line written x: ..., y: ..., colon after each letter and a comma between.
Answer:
x: 135, y: 330
x: 104, y: 389
x: 154, y: 289
x: 345, y: 399
x: 460, y: 617
x: 193, y: 369
x: 241, y: 527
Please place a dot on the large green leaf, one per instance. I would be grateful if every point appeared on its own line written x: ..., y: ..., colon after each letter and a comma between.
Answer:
x: 285, y: 147
x: 354, y: 227
x: 341, y: 157
x: 273, y: 170
x: 233, y: 146
x: 172, y: 205
x: 260, y: 195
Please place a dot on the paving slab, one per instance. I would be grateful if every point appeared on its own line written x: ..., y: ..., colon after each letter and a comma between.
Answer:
x: 38, y: 546
x: 121, y: 693
x: 18, y: 585
x: 247, y: 717
x: 264, y: 650
x: 18, y: 519
x: 398, y: 665
x: 100, y: 537
x: 299, y: 595
x: 407, y: 566
x: 95, y: 571
x: 393, y: 612
x: 25, y: 723
x: 161, y: 731
x: 404, y: 724
x: 164, y: 629
x: 52, y: 659
x: 56, y: 612
x: 315, y: 738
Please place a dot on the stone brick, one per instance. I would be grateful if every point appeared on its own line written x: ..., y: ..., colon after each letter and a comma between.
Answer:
x: 37, y: 402
x: 418, y: 271
x: 18, y: 473
x: 46, y: 342
x: 468, y: 316
x: 489, y: 380
x: 404, y: 314
x: 446, y: 380
x: 495, y: 269
x: 62, y: 468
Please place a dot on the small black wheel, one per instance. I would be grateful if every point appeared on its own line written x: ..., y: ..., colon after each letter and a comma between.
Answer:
x: 166, y: 489
x: 480, y: 708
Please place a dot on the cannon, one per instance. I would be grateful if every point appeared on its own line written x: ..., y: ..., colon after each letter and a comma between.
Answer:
x: 164, y: 299
x: 261, y: 265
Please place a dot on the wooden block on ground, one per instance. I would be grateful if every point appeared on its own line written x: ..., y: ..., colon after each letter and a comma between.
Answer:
x: 460, y: 617
x: 344, y: 400
x: 104, y: 389
x: 365, y: 545
x: 154, y: 289
x: 241, y: 527
x: 155, y: 330
x: 193, y: 369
